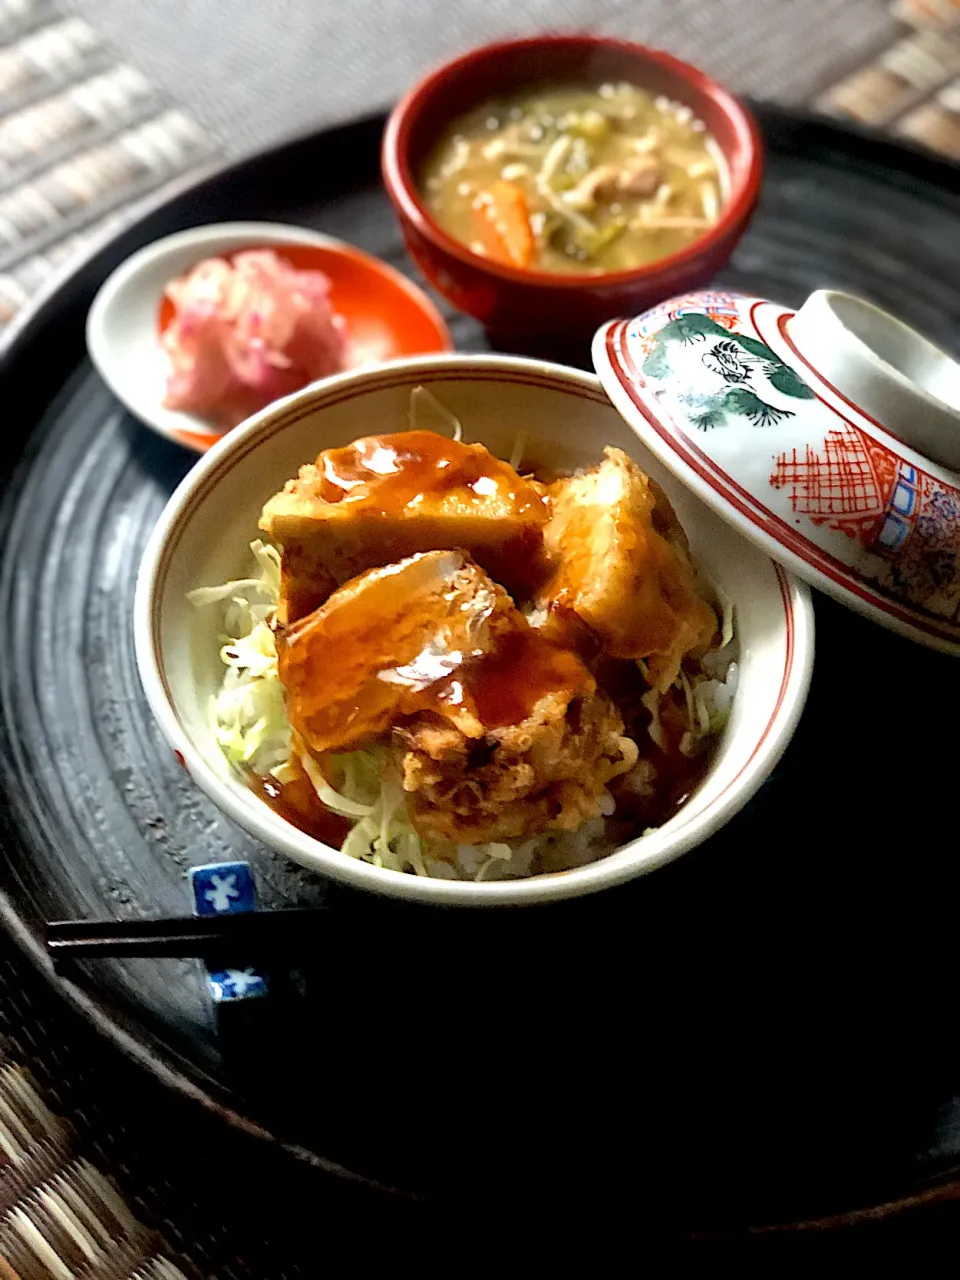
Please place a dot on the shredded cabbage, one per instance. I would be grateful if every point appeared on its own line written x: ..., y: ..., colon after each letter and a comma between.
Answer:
x: 424, y: 406
x: 249, y: 721
x: 708, y: 693
x: 651, y: 700
x: 726, y: 630
x: 247, y: 714
x: 519, y: 447
x: 383, y: 833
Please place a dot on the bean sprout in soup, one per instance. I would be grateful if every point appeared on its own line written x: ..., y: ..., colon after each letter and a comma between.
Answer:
x: 576, y: 179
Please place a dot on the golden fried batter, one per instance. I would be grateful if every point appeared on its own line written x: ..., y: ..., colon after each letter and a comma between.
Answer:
x: 621, y: 566
x: 396, y: 626
x: 386, y: 497
x: 546, y: 773
x: 385, y: 645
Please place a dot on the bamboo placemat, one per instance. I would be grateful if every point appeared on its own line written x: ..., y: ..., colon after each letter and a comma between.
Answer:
x: 83, y: 138
x: 912, y: 88
x: 61, y: 1218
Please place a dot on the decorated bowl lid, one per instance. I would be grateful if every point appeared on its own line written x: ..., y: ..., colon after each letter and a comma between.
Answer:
x: 829, y: 436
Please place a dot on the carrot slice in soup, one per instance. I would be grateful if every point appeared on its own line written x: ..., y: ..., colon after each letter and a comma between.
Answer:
x: 504, y: 223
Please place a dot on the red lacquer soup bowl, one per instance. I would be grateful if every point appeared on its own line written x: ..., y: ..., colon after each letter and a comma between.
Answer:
x: 524, y: 302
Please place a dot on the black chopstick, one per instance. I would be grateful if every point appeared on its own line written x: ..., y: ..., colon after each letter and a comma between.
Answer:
x: 261, y: 934
x: 186, y: 936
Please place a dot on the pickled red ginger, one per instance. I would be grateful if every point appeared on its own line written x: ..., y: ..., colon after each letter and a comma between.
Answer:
x: 246, y: 332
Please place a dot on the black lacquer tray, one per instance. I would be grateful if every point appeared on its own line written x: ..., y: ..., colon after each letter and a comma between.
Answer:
x: 763, y: 1033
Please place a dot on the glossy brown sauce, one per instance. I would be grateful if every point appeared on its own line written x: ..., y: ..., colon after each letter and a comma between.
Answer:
x: 390, y: 472
x: 676, y: 775
x: 300, y: 805
x: 509, y: 686
x: 505, y: 686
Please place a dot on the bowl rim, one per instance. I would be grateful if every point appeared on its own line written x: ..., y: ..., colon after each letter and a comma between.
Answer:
x: 401, y: 186
x: 306, y: 850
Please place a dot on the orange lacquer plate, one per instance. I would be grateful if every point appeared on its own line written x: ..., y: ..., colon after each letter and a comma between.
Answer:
x: 386, y: 315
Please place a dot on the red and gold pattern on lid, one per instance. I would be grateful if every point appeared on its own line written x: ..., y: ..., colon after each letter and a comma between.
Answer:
x: 723, y: 390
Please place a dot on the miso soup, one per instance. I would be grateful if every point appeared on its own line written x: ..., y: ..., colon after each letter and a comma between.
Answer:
x: 576, y: 179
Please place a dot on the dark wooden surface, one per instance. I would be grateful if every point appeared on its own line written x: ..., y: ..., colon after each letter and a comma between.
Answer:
x: 760, y: 1034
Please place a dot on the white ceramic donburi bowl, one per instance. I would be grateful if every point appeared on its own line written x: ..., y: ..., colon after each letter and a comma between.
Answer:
x: 203, y: 537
